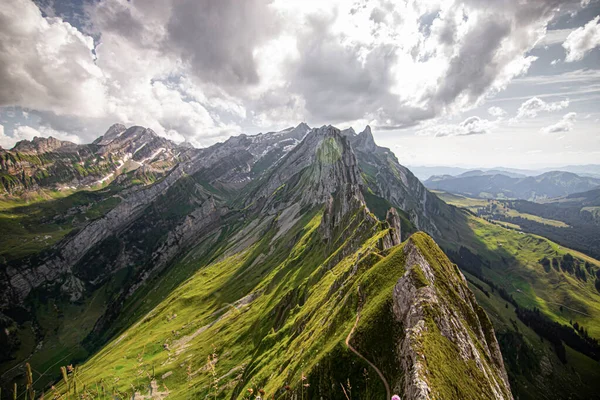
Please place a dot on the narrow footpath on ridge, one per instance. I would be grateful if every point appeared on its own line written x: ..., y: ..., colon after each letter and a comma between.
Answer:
x: 352, y: 349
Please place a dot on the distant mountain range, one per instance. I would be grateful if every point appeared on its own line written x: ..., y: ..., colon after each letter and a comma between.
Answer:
x: 425, y: 172
x: 496, y: 184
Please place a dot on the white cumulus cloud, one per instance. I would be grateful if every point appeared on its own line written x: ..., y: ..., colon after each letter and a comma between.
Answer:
x: 532, y: 107
x: 470, y: 126
x: 497, y: 112
x: 564, y: 125
x: 582, y: 40
x: 47, y: 64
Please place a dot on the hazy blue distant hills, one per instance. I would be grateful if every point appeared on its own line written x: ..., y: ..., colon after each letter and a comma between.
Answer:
x: 426, y: 172
x: 510, y: 185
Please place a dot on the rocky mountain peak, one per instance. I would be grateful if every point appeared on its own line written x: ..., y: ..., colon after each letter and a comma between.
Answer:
x: 41, y: 145
x: 349, y: 132
x: 365, y: 141
x: 119, y: 136
x: 299, y: 131
x: 112, y: 132
x: 321, y: 165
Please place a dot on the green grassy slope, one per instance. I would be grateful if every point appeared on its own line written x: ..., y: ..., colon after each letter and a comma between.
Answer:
x: 260, y: 323
x: 30, y: 226
x: 511, y: 259
x: 272, y: 317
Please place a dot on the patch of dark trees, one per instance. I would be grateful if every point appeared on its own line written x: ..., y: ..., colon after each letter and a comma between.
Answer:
x: 575, y: 336
x: 573, y: 266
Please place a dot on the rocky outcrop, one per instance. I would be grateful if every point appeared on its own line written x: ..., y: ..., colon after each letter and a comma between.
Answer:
x: 393, y: 219
x: 320, y: 165
x: 40, y: 145
x: 449, y: 346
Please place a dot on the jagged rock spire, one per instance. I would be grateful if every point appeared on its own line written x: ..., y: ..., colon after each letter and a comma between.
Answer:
x: 365, y: 141
x: 393, y: 219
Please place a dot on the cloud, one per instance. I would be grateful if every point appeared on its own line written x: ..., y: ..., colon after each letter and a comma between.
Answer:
x: 497, y: 112
x: 219, y: 37
x: 582, y: 40
x: 203, y: 70
x: 532, y: 107
x: 564, y: 125
x: 341, y: 82
x: 470, y: 126
x: 47, y: 64
x: 490, y: 48
x: 399, y: 74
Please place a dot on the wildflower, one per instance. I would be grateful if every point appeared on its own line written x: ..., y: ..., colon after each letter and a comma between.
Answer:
x: 288, y: 388
x: 395, y: 397
x: 261, y: 391
x: 306, y: 384
x: 250, y: 391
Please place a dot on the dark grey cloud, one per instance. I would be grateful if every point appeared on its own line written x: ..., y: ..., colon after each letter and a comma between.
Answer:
x: 118, y: 18
x: 218, y: 37
x: 330, y: 75
x: 338, y: 86
x: 504, y: 32
x: 473, y: 70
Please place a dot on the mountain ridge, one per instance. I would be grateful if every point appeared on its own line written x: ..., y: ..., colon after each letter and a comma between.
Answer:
x: 284, y: 236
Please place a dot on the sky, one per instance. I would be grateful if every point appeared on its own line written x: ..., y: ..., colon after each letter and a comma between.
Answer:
x: 513, y: 83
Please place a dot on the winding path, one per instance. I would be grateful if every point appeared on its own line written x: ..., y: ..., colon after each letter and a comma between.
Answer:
x: 352, y: 349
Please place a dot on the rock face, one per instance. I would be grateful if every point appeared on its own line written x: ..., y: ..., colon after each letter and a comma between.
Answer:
x: 40, y: 145
x: 449, y: 345
x: 395, y: 183
x: 323, y: 164
x: 393, y: 219
x: 228, y: 166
